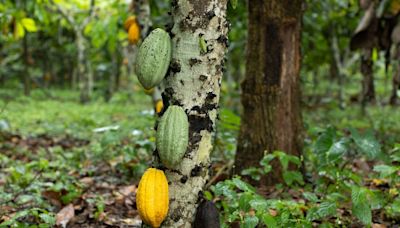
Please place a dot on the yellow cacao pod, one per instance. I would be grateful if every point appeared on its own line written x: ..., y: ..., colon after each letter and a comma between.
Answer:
x: 134, y: 33
x: 128, y: 22
x: 159, y: 106
x: 152, y: 197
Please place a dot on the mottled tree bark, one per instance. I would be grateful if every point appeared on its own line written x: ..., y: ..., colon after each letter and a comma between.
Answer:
x: 194, y: 83
x: 368, y: 88
x: 271, y: 118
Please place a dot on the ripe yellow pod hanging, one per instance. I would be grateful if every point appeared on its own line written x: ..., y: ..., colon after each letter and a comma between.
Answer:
x: 152, y: 197
x: 134, y: 33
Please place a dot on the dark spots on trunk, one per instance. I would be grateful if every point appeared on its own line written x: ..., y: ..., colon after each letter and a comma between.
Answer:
x: 167, y: 97
x: 176, y: 215
x: 200, y: 7
x: 196, y: 171
x: 210, y: 96
x: 203, y: 77
x: 194, y: 61
x: 199, y: 123
x: 175, y: 66
x: 181, y: 81
x: 194, y: 139
x: 184, y: 179
x: 223, y: 39
x: 210, y: 14
x: 273, y: 45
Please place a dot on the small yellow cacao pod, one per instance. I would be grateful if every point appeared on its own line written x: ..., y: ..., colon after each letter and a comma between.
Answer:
x: 159, y: 106
x: 152, y: 197
x: 134, y: 33
x: 128, y: 22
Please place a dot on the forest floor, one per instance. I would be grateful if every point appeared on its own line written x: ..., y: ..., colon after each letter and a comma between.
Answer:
x: 61, y: 162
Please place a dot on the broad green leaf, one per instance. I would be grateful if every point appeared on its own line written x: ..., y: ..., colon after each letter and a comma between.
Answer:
x: 386, y: 170
x: 269, y: 220
x: 292, y: 176
x: 242, y: 185
x: 310, y: 197
x: 367, y: 143
x: 326, y: 209
x: 361, y: 208
x: 336, y: 151
x: 325, y: 141
x: 259, y: 204
x: 29, y: 24
x: 250, y: 222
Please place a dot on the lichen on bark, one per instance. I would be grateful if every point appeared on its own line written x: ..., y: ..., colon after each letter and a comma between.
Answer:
x: 194, y: 82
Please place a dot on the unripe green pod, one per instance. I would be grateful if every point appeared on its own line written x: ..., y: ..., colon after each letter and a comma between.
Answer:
x: 153, y: 58
x: 172, y: 136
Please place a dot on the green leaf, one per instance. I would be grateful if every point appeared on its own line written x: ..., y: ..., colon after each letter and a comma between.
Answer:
x: 242, y: 185
x: 259, y: 204
x: 250, y: 222
x: 361, y: 208
x: 336, y: 151
x: 292, y: 176
x: 386, y: 170
x: 325, y: 141
x: 29, y: 24
x: 367, y: 143
x: 326, y: 209
x: 310, y: 197
x: 269, y: 220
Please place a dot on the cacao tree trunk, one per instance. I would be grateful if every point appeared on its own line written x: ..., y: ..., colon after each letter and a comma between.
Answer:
x: 271, y: 118
x: 368, y: 88
x: 194, y: 83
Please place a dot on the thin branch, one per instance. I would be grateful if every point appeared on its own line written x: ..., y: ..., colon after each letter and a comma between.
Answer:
x: 64, y: 14
x: 91, y: 15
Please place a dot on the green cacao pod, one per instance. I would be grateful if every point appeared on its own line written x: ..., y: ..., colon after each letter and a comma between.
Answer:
x: 207, y: 215
x: 153, y: 58
x: 172, y: 136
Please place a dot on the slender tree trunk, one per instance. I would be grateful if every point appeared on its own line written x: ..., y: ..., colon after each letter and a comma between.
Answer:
x: 271, y: 95
x: 194, y: 83
x: 85, y: 81
x: 368, y: 88
x: 396, y: 79
x: 25, y: 76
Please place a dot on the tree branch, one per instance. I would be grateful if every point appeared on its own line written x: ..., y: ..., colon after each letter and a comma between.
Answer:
x: 91, y: 15
x: 64, y: 14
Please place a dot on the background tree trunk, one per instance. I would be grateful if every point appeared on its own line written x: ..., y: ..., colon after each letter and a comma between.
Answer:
x: 194, y: 83
x: 271, y: 95
x: 396, y: 78
x: 368, y: 88
x: 25, y: 74
x: 85, y: 85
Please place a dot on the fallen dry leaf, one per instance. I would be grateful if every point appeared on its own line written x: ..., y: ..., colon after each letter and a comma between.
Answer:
x: 65, y: 215
x: 377, y: 225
